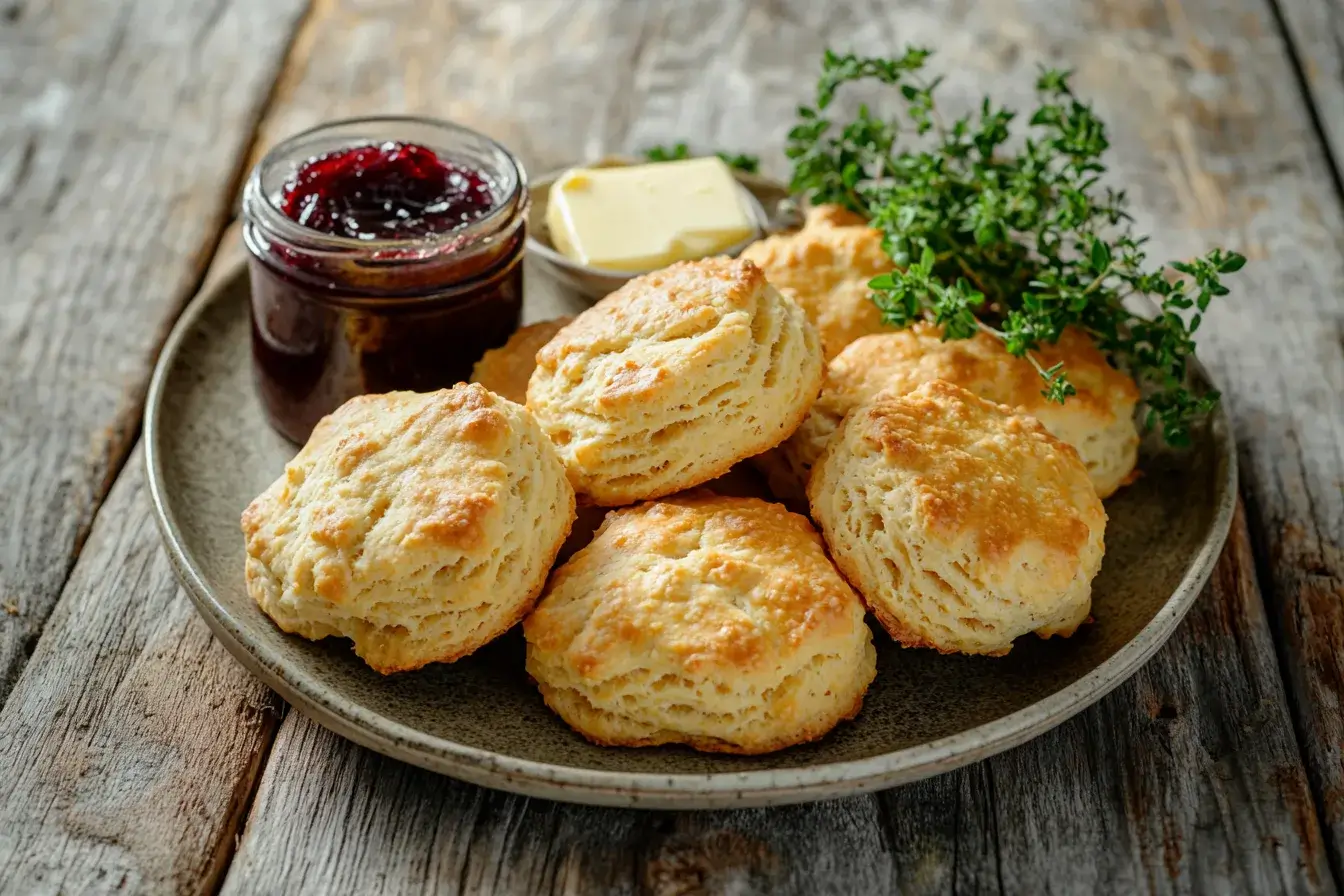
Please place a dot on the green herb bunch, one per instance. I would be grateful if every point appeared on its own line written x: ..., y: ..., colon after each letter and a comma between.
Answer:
x: 1021, y: 242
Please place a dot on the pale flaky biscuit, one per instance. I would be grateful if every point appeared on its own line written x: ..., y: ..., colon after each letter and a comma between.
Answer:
x: 1098, y: 421
x: 826, y: 267
x: 962, y: 523
x: 704, y: 620
x: 506, y: 370
x: 419, y: 526
x: 670, y: 380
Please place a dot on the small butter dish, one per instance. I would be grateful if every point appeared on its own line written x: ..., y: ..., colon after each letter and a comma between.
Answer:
x: 763, y: 199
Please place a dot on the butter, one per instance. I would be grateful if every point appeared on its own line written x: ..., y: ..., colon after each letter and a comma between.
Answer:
x: 644, y: 217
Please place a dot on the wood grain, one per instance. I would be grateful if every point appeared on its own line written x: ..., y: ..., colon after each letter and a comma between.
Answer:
x: 380, y: 825
x: 122, y: 126
x: 130, y: 748
x: 1228, y: 153
x: 1186, y: 779
x: 1300, y: 501
x: 1315, y: 29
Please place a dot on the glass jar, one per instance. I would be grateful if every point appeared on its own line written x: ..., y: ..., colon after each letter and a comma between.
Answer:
x: 335, y: 316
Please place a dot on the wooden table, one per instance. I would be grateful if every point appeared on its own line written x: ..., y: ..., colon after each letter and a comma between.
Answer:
x: 137, y: 756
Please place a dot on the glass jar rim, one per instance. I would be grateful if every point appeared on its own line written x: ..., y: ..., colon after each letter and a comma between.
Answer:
x: 259, y: 206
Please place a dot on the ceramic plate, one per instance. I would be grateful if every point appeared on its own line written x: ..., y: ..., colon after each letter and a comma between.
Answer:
x: 210, y: 451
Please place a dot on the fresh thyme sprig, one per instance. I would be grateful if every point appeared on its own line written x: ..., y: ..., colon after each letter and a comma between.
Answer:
x: 1020, y: 242
x: 740, y: 161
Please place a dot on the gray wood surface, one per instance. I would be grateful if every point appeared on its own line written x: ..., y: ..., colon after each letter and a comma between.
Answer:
x: 121, y: 130
x: 380, y: 825
x: 1244, y: 163
x: 1300, y: 496
x: 130, y: 749
x: 1316, y: 31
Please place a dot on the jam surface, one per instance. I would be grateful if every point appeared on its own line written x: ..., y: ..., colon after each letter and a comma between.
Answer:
x: 387, y: 191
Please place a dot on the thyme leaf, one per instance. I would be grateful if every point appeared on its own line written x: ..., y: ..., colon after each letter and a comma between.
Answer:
x: 1020, y: 241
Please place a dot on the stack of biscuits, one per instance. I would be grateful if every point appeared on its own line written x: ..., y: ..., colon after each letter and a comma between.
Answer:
x: 922, y: 481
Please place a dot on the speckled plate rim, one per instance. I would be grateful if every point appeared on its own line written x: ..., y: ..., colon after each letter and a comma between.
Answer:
x: 644, y: 790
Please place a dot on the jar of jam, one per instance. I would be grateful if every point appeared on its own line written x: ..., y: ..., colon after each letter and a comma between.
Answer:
x: 385, y: 254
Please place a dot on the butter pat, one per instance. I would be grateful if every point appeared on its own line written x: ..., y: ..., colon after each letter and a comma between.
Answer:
x: 644, y: 217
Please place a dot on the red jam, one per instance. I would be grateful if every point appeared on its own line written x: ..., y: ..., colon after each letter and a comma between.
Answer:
x: 387, y: 192
x: 379, y: 266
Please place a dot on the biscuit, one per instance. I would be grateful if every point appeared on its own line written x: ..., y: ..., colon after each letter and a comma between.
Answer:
x: 506, y: 370
x: 670, y: 380
x: 1098, y: 421
x: 704, y: 620
x: 826, y: 267
x: 419, y: 526
x: 739, y: 482
x: 962, y: 523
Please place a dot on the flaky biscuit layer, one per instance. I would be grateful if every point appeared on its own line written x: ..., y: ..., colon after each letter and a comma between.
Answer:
x: 669, y: 381
x: 712, y: 621
x: 1098, y: 421
x: 825, y: 267
x: 420, y: 526
x: 963, y: 524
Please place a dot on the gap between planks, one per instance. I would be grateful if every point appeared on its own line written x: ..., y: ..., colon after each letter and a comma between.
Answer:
x: 112, y: 444
x: 1331, y: 140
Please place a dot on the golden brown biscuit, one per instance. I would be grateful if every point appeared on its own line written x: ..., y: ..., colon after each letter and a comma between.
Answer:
x: 739, y: 482
x: 670, y: 380
x: 833, y: 216
x: 506, y: 370
x: 703, y: 620
x: 1098, y: 421
x: 419, y: 526
x: 826, y: 267
x: 963, y: 524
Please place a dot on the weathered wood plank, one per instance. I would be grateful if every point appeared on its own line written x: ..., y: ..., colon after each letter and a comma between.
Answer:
x: 1128, y: 796
x: 1315, y: 29
x: 1228, y: 152
x: 121, y: 130
x: 380, y: 825
x: 129, y: 748
x: 1299, y: 504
